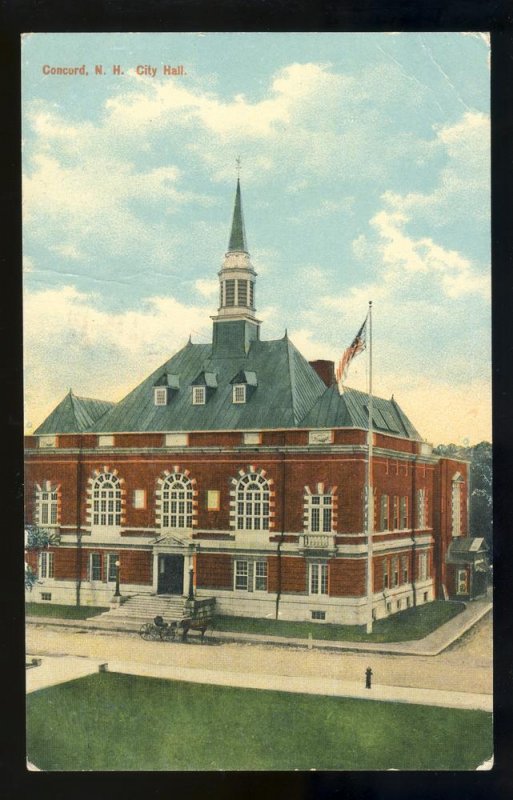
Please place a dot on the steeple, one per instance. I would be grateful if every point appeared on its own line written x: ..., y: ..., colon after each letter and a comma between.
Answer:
x: 238, y: 234
x: 237, y: 288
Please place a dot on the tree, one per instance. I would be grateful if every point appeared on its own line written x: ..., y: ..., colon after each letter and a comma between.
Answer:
x: 36, y: 539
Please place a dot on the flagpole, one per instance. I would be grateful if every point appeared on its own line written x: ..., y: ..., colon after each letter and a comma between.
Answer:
x: 370, y: 492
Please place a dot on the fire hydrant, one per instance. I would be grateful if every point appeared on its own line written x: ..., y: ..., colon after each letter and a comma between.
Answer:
x: 368, y: 678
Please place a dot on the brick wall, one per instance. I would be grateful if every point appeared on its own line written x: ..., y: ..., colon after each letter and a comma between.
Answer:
x: 214, y: 571
x: 347, y: 577
x: 293, y: 574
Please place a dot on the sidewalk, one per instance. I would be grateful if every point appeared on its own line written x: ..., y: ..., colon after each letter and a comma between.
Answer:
x: 432, y: 645
x: 58, y: 669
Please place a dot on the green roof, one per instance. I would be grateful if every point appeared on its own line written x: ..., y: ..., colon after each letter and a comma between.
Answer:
x: 285, y: 387
x: 238, y: 233
x: 74, y: 415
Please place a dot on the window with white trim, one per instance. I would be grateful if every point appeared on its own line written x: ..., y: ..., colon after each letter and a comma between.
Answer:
x: 160, y: 395
x: 106, y: 492
x: 384, y: 513
x: 421, y: 508
x: 46, y: 561
x: 47, y: 505
x: 404, y: 513
x: 95, y: 567
x: 395, y: 525
x: 320, y: 512
x: 404, y: 569
x: 456, y: 506
x: 395, y: 571
x: 252, y: 503
x: 318, y: 579
x: 260, y: 576
x: 177, y: 495
x: 423, y: 566
x: 386, y: 582
x: 239, y: 393
x: 199, y: 395
x: 241, y: 575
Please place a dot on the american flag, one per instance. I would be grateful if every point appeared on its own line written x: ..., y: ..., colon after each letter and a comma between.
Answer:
x: 357, y: 346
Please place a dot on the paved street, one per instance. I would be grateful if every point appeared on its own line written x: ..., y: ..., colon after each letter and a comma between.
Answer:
x: 464, y: 667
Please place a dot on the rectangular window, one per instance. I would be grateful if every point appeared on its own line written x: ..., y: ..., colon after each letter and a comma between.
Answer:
x: 239, y: 393
x: 198, y: 395
x: 384, y: 516
x: 395, y: 571
x: 46, y: 565
x: 160, y: 395
x: 111, y: 566
x: 395, y: 525
x: 96, y: 567
x: 318, y: 615
x: 423, y: 571
x: 399, y: 604
x: 408, y: 602
x: 241, y: 575
x: 252, y: 437
x: 139, y: 498
x: 177, y: 439
x: 318, y: 579
x: 46, y: 596
x: 421, y: 508
x: 106, y: 440
x: 385, y: 574
x: 213, y: 500
x: 47, y: 441
x: 462, y: 582
x: 242, y: 291
x: 404, y: 513
x: 404, y: 569
x: 260, y: 576
x: 229, y: 292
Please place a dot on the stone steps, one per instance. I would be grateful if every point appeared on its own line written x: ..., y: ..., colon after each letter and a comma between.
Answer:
x: 146, y: 607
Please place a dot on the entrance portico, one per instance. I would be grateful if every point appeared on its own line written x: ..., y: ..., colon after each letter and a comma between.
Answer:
x: 173, y: 557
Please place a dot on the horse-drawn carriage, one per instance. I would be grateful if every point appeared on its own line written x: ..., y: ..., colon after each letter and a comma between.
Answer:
x: 198, y: 616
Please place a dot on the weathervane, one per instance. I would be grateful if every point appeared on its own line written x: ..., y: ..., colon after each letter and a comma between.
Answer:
x: 237, y: 161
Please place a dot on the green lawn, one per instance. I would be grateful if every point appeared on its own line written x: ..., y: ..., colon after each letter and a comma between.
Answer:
x: 64, y: 612
x: 121, y: 722
x: 413, y: 623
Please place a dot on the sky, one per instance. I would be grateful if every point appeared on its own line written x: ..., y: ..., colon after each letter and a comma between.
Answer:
x: 365, y: 162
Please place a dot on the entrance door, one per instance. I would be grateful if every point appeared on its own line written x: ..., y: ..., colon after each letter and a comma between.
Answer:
x: 170, y: 575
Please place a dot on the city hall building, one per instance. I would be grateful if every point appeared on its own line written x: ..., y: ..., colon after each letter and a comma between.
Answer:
x: 239, y: 466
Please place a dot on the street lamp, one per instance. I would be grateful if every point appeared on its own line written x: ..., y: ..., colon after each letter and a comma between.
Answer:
x: 117, y: 593
x: 191, y: 583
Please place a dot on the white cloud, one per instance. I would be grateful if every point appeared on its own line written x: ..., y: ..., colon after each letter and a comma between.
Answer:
x: 71, y: 342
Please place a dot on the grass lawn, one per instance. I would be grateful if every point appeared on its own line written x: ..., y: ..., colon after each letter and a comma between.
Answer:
x: 64, y: 612
x: 122, y: 722
x: 413, y: 623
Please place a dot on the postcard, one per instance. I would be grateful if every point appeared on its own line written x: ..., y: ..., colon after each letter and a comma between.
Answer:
x: 257, y: 401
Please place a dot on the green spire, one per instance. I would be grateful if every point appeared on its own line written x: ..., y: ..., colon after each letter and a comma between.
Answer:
x: 238, y: 234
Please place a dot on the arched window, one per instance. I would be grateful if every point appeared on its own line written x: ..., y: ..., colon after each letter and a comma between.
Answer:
x: 177, y: 496
x: 252, y: 502
x: 106, y: 492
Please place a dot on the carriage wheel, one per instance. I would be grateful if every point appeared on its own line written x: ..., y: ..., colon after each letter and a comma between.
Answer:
x: 169, y: 634
x: 148, y: 632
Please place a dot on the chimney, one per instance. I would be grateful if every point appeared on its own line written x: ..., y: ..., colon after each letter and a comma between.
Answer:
x: 325, y: 370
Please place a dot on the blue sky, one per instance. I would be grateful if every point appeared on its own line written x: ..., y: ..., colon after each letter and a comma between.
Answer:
x: 365, y: 176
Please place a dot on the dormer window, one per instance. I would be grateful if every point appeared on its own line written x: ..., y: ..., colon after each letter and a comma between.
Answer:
x: 239, y: 393
x: 160, y: 395
x: 199, y: 395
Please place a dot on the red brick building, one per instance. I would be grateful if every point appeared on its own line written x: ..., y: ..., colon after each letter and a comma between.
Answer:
x: 241, y: 461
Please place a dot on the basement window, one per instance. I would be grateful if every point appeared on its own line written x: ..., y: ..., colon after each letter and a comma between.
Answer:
x: 46, y: 596
x: 318, y: 615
